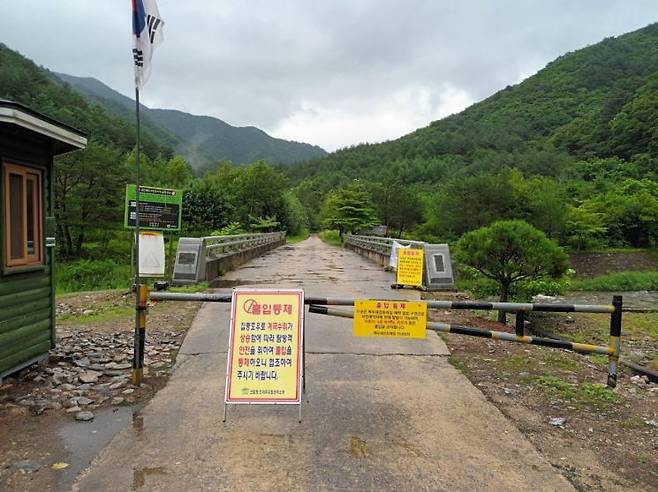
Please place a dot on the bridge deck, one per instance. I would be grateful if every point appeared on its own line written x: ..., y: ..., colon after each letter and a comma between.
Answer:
x: 378, y: 414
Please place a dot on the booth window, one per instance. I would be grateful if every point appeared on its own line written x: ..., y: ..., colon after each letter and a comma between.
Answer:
x: 22, y: 216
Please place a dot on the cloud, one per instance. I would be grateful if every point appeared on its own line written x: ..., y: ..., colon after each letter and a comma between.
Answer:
x: 371, y: 119
x: 328, y: 72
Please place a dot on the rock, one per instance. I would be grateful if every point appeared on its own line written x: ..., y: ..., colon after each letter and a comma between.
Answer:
x: 89, y: 376
x: 558, y: 421
x: 128, y: 391
x: 26, y: 465
x: 648, y: 422
x: 88, y: 312
x: 84, y: 362
x: 67, y: 387
x: 120, y: 366
x: 115, y: 386
x: 75, y: 409
x: 83, y: 400
x: 84, y: 416
x: 117, y: 400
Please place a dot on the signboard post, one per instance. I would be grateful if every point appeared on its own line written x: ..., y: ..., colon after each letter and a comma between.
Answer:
x: 265, y: 355
x: 160, y: 209
x: 410, y: 267
x: 391, y: 319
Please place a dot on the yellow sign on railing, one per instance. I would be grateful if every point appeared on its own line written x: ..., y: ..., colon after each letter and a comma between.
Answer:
x: 410, y: 267
x: 265, y: 351
x: 396, y: 319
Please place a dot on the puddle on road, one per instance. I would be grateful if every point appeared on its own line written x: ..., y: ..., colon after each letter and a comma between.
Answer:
x: 84, y: 440
x: 140, y: 475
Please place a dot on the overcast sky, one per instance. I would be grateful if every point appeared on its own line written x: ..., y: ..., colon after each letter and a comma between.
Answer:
x: 328, y: 72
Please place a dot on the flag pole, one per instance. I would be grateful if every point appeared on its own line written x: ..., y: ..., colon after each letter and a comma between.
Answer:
x: 140, y: 293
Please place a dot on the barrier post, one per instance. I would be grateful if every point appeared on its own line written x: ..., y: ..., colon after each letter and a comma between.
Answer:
x: 140, y: 336
x: 520, y: 322
x: 615, y: 345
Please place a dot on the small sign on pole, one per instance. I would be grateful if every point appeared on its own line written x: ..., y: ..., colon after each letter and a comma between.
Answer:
x: 393, y: 319
x: 160, y: 209
x: 410, y: 267
x: 265, y: 356
x: 151, y: 254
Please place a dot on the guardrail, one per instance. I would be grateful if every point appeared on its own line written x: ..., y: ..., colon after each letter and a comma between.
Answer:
x: 376, y: 244
x: 215, y: 246
x: 206, y: 258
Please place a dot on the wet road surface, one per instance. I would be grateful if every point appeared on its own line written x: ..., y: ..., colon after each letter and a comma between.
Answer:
x: 377, y: 414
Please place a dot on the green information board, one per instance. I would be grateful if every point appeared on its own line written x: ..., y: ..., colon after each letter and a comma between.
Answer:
x: 160, y: 209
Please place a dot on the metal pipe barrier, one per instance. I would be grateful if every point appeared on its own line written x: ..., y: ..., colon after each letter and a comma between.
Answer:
x: 318, y: 305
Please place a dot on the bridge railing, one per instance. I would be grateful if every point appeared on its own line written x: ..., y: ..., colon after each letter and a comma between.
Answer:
x: 216, y: 246
x: 377, y: 244
x: 206, y: 258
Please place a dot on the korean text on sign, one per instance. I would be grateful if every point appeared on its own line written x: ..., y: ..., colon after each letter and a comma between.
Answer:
x: 265, y: 351
x: 410, y: 267
x: 398, y: 319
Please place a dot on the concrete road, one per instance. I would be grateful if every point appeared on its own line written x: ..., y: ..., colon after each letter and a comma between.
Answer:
x: 378, y: 414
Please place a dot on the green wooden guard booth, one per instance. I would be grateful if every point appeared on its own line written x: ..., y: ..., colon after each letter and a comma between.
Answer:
x: 28, y: 143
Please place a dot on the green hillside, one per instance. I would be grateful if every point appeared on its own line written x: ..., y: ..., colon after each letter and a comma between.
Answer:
x: 581, y: 133
x: 24, y: 82
x: 202, y: 140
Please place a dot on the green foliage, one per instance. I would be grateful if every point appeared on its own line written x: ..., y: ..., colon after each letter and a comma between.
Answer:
x: 229, y: 230
x: 508, y: 252
x: 555, y: 150
x: 264, y: 224
x: 84, y: 275
x: 348, y: 209
x: 331, y: 237
x: 296, y: 218
x: 618, y: 282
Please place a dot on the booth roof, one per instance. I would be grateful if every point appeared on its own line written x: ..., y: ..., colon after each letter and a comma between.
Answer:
x: 65, y: 138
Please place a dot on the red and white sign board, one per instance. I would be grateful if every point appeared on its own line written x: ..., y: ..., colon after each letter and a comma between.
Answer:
x: 265, y: 355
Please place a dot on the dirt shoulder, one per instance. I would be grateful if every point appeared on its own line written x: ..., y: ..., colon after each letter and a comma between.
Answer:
x: 86, y: 383
x: 599, y: 439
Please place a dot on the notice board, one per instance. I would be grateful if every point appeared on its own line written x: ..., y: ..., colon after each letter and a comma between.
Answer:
x: 160, y: 209
x: 410, y: 267
x: 265, y: 347
x: 392, y: 319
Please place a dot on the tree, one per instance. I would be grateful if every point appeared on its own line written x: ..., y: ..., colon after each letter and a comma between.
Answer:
x: 89, y: 188
x: 511, y: 251
x: 348, y: 209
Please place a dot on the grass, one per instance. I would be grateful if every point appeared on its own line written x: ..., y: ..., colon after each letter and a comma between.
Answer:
x: 618, y: 282
x: 87, y: 275
x: 298, y: 238
x: 190, y: 289
x: 103, y: 315
x: 331, y: 237
x: 585, y: 393
x: 459, y: 364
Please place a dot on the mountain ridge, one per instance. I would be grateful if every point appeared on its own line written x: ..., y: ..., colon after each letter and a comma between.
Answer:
x: 201, y: 139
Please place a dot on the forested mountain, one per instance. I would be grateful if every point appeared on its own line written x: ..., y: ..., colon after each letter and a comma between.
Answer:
x: 572, y: 149
x: 89, y: 185
x: 201, y: 140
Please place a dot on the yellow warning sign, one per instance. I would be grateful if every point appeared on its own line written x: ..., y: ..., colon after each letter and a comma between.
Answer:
x: 265, y: 346
x: 398, y: 319
x: 410, y: 267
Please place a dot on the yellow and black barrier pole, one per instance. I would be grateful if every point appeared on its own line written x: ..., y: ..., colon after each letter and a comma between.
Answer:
x: 140, y: 335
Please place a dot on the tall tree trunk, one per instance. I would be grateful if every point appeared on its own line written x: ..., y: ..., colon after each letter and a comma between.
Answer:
x: 504, y: 295
x: 69, y: 241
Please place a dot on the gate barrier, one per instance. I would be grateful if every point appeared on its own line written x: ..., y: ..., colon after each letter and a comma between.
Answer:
x: 319, y: 305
